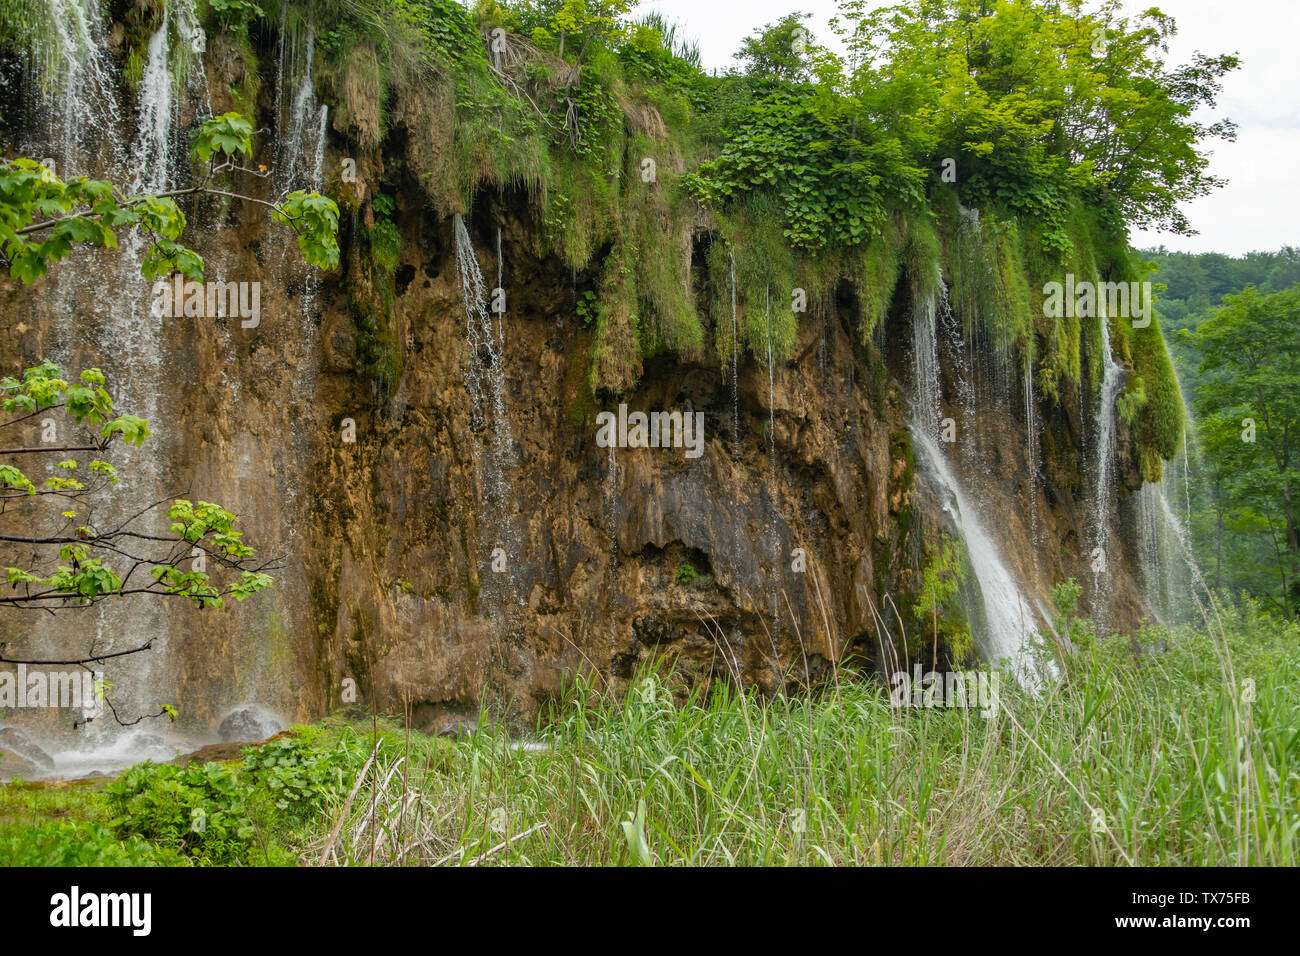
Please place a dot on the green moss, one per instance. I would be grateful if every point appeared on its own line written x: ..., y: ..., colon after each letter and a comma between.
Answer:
x: 615, y: 351
x: 385, y: 242
x: 579, y: 148
x: 766, y: 277
x: 990, y: 286
x: 657, y: 229
x: 1158, y: 423
x: 874, y: 269
x: 922, y: 257
x: 938, y: 612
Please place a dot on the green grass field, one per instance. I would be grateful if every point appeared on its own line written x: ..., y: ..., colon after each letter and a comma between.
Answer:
x: 1189, y: 756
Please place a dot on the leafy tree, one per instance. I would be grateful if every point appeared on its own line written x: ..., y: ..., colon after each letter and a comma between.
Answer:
x: 43, y: 217
x: 73, y: 558
x: 778, y: 51
x: 590, y: 20
x: 1038, y: 104
x: 1249, y: 408
x: 1036, y: 98
x: 67, y: 553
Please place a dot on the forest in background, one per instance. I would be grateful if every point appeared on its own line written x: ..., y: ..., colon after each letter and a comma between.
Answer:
x: 1233, y: 328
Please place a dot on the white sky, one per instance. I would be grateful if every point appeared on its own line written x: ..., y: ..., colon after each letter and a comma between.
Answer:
x: 1260, y: 206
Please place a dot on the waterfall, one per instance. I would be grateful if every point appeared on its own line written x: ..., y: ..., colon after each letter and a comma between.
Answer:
x: 486, y: 383
x: 168, y: 69
x: 1002, y: 619
x: 301, y: 130
x: 1037, y: 533
x: 311, y: 280
x: 1103, y: 470
x: 76, y: 77
x: 501, y: 316
x: 1168, y: 574
x: 735, y: 364
x: 151, y: 156
x: 187, y: 32
x: 610, y: 494
x: 102, y: 316
x: 774, y: 538
x: 1009, y: 632
x: 771, y: 386
x: 925, y: 358
x: 301, y: 133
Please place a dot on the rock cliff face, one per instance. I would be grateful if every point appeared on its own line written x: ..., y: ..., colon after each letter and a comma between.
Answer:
x: 796, y: 540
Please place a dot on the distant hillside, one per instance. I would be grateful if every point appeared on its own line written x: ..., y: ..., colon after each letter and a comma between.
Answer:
x: 1196, y: 281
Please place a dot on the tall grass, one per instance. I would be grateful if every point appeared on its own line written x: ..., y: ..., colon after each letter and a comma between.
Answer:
x: 1185, y: 756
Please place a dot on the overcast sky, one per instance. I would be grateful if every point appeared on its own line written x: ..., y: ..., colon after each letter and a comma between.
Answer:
x: 1260, y: 206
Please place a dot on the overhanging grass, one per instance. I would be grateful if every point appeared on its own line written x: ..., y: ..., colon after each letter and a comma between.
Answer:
x: 1159, y: 762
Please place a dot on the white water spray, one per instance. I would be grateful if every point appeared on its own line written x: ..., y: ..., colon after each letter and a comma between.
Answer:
x: 486, y: 384
x: 77, y: 81
x: 1009, y: 632
x: 925, y: 362
x: 735, y: 364
x: 1103, y: 478
x: 1037, y: 534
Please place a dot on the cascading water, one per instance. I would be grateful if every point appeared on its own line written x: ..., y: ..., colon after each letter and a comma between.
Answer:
x: 116, y: 324
x: 130, y: 338
x: 151, y: 156
x: 1103, y: 478
x: 1004, y: 621
x: 735, y: 365
x: 1009, y: 630
x: 610, y: 493
x: 1037, y: 533
x: 190, y: 38
x: 928, y: 411
x: 773, y: 537
x: 171, y: 66
x: 77, y: 81
x: 101, y: 315
x: 486, y: 383
x: 301, y: 131
x: 1168, y: 576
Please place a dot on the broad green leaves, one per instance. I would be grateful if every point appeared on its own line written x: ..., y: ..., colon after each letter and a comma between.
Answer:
x: 11, y: 477
x: 834, y: 183
x: 1020, y: 95
x: 82, y: 575
x: 225, y: 136
x: 315, y: 221
x: 87, y: 402
x: 43, y: 218
x: 132, y: 429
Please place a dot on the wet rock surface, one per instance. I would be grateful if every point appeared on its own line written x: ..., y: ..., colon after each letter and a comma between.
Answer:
x: 389, y: 593
x: 20, y: 756
x: 248, y: 725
